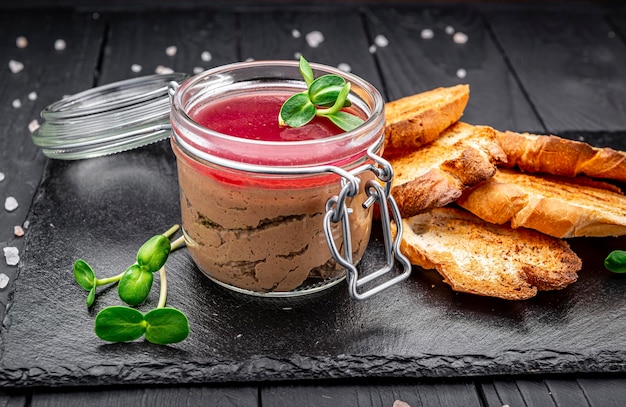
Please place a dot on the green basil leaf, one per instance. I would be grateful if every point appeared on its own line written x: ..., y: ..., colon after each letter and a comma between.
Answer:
x: 296, y: 111
x: 135, y: 285
x: 306, y: 71
x: 325, y: 90
x: 152, y: 255
x: 119, y: 324
x: 84, y: 275
x: 616, y: 261
x: 166, y: 325
x: 345, y: 121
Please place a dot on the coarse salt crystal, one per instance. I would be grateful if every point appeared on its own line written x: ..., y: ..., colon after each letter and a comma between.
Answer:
x: 296, y: 33
x: 372, y: 49
x: 461, y: 73
x: 60, y: 45
x: 1, y: 176
x: 206, y: 56
x: 16, y: 103
x: 21, y: 42
x: 26, y: 224
x: 162, y: 70
x: 171, y: 50
x: 400, y: 403
x: 15, y: 66
x: 381, y: 41
x: 4, y: 280
x: 198, y: 69
x: 18, y: 231
x: 460, y: 38
x: 314, y: 39
x: 136, y: 68
x: 32, y: 96
x: 427, y: 34
x: 449, y: 30
x: 344, y: 67
x: 11, y: 255
x: 10, y: 204
x: 33, y: 126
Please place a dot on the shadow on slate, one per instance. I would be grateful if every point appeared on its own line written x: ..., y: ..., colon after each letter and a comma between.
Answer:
x: 103, y: 209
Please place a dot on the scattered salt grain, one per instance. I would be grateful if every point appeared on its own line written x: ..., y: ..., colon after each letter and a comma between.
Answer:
x: 427, y: 34
x: 10, y: 204
x: 373, y: 48
x: 32, y: 96
x: 33, y: 126
x: 60, y: 45
x: 4, y: 280
x: 136, y: 68
x: 162, y: 70
x: 344, y: 67
x: 314, y: 39
x: 198, y: 69
x: 400, y: 403
x: 297, y: 55
x: 18, y: 231
x: 611, y: 34
x: 95, y: 15
x: 381, y: 41
x: 449, y: 30
x: 296, y: 33
x: 171, y: 50
x: 461, y: 73
x: 15, y: 66
x: 16, y: 103
x: 21, y: 42
x: 11, y: 255
x: 459, y: 38
x: 206, y: 56
x: 1, y: 176
x: 26, y: 224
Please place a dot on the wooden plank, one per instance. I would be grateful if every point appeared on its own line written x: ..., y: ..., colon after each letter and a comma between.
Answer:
x: 419, y: 394
x: 566, y: 392
x: 137, y: 43
x: 12, y: 400
x: 150, y: 397
x: 502, y: 392
x: 570, y: 63
x: 47, y: 75
x: 283, y: 35
x: 413, y: 62
x: 604, y: 392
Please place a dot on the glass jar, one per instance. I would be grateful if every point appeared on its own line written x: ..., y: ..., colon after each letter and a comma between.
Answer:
x: 281, y: 218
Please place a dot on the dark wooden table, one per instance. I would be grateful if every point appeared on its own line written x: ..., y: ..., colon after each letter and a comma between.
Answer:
x: 547, y: 67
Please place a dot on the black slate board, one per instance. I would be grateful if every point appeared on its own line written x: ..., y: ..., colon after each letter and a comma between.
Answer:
x: 102, y: 209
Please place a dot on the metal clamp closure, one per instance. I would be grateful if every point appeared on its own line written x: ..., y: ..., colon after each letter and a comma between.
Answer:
x: 338, y: 211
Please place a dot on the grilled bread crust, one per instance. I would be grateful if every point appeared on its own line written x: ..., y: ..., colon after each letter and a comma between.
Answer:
x: 478, y: 257
x: 558, y: 206
x: 560, y: 156
x: 416, y: 120
x: 436, y: 174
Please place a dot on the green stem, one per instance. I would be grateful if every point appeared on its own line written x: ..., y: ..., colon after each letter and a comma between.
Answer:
x: 339, y: 102
x: 163, y: 291
x: 171, y: 231
x: 108, y: 280
x: 178, y: 243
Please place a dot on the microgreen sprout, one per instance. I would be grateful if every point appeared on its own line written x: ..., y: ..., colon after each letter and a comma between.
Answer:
x: 161, y: 325
x: 325, y: 96
x: 616, y: 261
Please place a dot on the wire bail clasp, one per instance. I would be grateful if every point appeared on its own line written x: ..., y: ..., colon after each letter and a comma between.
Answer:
x: 338, y: 211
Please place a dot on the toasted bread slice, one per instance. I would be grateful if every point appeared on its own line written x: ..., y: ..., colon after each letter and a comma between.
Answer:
x: 436, y: 174
x: 557, y: 206
x: 419, y: 119
x: 478, y: 257
x: 560, y: 156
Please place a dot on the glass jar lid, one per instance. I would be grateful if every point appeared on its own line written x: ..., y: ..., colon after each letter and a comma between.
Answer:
x: 107, y: 119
